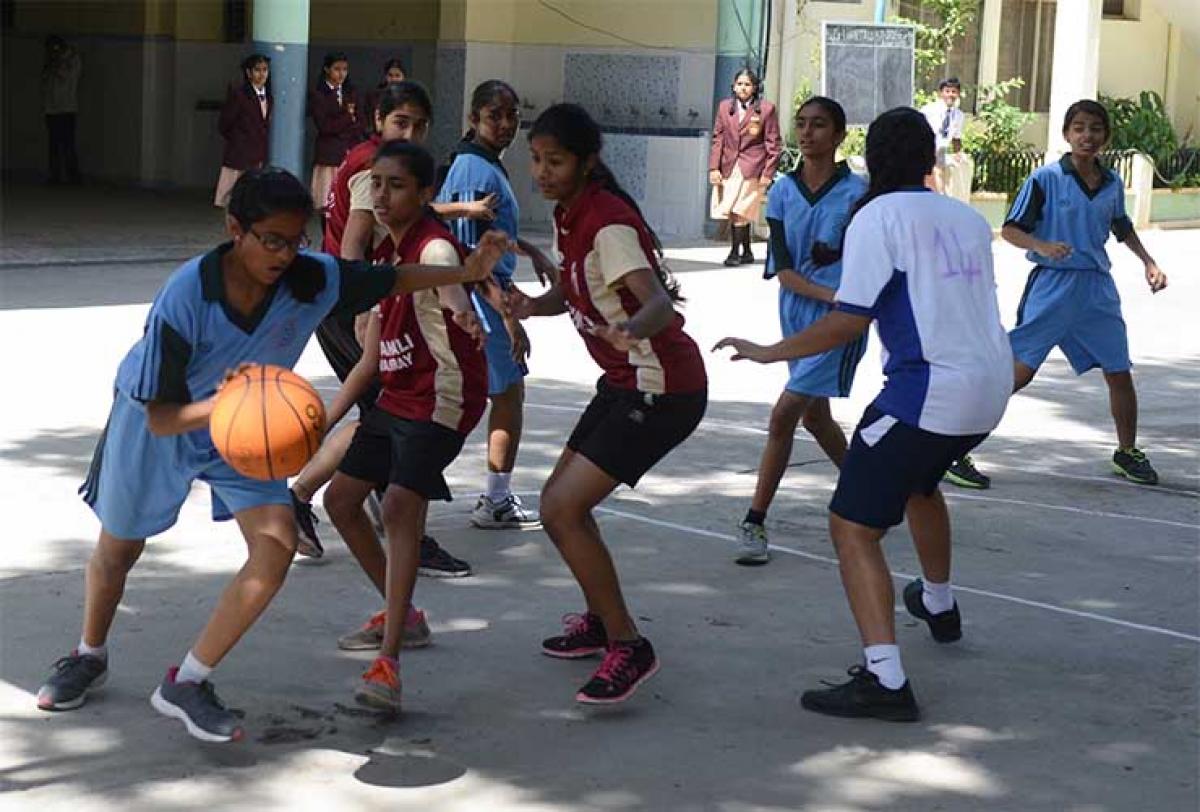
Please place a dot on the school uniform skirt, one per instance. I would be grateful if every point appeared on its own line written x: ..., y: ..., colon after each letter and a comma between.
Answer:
x: 737, y: 196
x: 322, y: 182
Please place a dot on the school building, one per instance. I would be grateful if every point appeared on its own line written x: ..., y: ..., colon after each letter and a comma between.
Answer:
x: 154, y: 72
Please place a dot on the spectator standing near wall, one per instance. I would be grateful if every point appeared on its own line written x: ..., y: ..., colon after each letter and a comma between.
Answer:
x: 60, y: 94
x: 333, y: 105
x: 946, y: 119
x: 245, y: 124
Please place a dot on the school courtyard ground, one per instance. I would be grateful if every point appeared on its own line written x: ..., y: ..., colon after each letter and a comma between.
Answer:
x: 1074, y: 687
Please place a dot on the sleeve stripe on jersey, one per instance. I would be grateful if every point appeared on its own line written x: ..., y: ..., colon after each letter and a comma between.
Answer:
x: 1026, y: 210
x: 778, y: 256
x: 855, y: 310
x: 1122, y: 227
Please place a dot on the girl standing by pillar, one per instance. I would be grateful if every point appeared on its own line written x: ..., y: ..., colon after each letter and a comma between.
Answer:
x: 245, y: 125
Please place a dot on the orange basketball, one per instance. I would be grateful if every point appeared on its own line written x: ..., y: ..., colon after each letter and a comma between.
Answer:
x: 267, y: 422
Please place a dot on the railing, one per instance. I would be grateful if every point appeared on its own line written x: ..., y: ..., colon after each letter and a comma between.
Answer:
x: 1003, y: 172
x: 1121, y: 163
x: 1180, y: 168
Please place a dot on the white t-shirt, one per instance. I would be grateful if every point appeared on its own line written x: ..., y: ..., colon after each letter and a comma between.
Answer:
x: 935, y: 114
x: 920, y: 264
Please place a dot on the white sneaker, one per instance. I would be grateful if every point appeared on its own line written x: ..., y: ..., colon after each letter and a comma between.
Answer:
x: 752, y: 545
x: 507, y: 513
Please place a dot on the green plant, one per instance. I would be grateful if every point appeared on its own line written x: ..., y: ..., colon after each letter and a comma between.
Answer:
x: 855, y: 143
x: 935, y: 42
x: 1141, y: 124
x: 997, y: 126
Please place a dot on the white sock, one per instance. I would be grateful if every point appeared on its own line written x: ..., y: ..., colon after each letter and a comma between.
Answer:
x: 100, y: 651
x: 937, y: 598
x: 192, y: 670
x: 884, y: 662
x: 499, y: 486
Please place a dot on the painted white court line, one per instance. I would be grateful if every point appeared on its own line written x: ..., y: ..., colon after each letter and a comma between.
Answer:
x: 696, y: 531
x: 1065, y: 509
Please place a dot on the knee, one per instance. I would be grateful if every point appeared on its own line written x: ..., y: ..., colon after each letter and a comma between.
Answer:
x: 339, y: 503
x: 783, y: 421
x: 399, y: 506
x: 556, y: 511
x: 814, y: 421
x: 1119, y: 381
x: 271, y: 551
x: 116, y: 557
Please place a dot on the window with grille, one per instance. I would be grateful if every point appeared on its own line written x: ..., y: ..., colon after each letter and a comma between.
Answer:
x: 962, y: 60
x: 1027, y: 50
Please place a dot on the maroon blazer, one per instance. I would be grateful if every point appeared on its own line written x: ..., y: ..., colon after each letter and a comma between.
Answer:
x: 247, y: 132
x: 337, y: 130
x: 754, y: 145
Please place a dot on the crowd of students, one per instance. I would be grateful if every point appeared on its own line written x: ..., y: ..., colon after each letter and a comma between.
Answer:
x: 414, y: 304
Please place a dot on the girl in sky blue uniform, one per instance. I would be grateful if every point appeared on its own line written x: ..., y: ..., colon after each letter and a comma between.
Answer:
x: 807, y: 213
x: 476, y: 174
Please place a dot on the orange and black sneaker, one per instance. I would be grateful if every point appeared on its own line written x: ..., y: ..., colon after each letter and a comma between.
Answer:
x: 380, y: 686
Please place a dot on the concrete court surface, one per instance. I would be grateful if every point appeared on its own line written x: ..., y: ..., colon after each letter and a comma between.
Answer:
x: 1074, y: 687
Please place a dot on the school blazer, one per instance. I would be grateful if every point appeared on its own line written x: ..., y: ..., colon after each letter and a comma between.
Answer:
x: 245, y: 130
x: 754, y: 145
x: 337, y: 130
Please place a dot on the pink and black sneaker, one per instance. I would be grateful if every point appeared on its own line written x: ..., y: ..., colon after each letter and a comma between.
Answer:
x: 583, y: 635
x: 626, y: 666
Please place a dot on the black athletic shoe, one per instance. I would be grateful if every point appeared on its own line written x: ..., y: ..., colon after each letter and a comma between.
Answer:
x: 946, y: 627
x: 74, y: 676
x: 583, y: 635
x: 1134, y: 466
x: 733, y: 260
x: 964, y: 474
x: 306, y: 528
x: 437, y: 563
x: 863, y: 697
x: 625, y: 667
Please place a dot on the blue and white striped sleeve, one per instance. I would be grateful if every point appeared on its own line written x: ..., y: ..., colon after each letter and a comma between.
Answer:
x: 867, y: 264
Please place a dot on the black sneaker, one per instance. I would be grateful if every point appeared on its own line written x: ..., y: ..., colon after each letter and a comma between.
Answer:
x: 625, y: 667
x: 74, y: 676
x: 583, y: 635
x: 963, y: 473
x: 863, y: 697
x: 306, y: 528
x: 196, y: 705
x: 733, y: 260
x: 1133, y: 465
x: 946, y: 627
x: 437, y: 563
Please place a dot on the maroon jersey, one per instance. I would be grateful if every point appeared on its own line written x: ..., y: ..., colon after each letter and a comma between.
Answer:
x: 356, y: 169
x: 598, y: 241
x: 430, y: 367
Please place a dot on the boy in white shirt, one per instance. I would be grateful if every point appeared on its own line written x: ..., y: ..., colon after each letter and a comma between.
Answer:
x: 946, y: 120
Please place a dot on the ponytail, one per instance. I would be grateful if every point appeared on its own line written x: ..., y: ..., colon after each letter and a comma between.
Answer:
x: 900, y: 153
x: 608, y: 181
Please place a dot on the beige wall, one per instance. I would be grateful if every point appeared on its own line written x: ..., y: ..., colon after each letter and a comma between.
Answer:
x: 1133, y: 54
x: 359, y: 20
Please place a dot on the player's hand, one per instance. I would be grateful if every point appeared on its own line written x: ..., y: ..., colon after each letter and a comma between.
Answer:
x: 521, y: 348
x: 1155, y: 277
x: 520, y: 306
x: 547, y: 272
x: 469, y: 323
x: 743, y: 350
x: 714, y: 177
x: 1054, y: 250
x: 492, y: 246
x: 483, y: 209
x: 230, y: 374
x: 618, y: 335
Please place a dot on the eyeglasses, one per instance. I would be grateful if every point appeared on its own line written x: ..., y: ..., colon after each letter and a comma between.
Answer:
x: 276, y: 244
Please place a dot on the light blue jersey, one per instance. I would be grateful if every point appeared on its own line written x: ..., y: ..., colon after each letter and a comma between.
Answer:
x: 474, y: 174
x: 1056, y: 205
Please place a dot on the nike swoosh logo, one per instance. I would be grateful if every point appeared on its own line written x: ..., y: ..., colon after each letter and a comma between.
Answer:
x: 876, y: 662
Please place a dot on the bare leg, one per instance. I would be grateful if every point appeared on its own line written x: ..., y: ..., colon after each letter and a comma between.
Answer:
x: 575, y: 487
x: 866, y: 579
x: 104, y: 583
x: 929, y: 524
x: 323, y: 465
x: 1122, y: 399
x: 819, y: 422
x: 271, y: 540
x: 505, y: 422
x: 344, y: 503
x: 402, y: 517
x: 781, y: 432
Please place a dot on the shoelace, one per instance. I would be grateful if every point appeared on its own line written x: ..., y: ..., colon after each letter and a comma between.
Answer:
x: 575, y: 624
x: 856, y: 672
x: 617, y: 664
x: 63, y: 663
x: 380, y: 618
x: 209, y: 691
x: 1136, y: 454
x: 382, y: 671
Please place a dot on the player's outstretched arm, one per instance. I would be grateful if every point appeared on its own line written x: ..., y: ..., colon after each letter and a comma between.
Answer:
x: 833, y: 330
x: 492, y: 246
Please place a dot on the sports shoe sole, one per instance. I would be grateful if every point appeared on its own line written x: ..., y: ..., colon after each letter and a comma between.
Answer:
x: 889, y: 715
x: 583, y: 699
x: 368, y: 697
x: 955, y: 479
x: 490, y: 524
x: 78, y: 701
x: 432, y: 573
x: 167, y: 708
x: 308, y: 550
x: 365, y: 645
x: 1134, y: 478
x: 752, y: 559
x: 577, y: 654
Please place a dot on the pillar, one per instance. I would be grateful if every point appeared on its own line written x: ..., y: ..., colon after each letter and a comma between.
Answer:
x: 1076, y: 67
x: 281, y: 32
x: 989, y: 42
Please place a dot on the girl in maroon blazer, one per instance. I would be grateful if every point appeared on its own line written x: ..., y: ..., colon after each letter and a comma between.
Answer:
x: 393, y: 73
x: 245, y: 124
x: 333, y: 105
x: 742, y: 162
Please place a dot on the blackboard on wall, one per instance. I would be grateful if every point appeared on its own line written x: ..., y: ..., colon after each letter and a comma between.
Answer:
x: 867, y: 68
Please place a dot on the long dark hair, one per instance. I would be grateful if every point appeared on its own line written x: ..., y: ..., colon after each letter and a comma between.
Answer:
x: 327, y: 62
x: 387, y: 66
x: 248, y: 63
x: 753, y: 77
x: 578, y: 133
x: 900, y: 153
x: 486, y: 93
x: 399, y: 94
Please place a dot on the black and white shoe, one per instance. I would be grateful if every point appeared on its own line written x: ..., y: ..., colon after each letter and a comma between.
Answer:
x: 308, y: 544
x: 435, y: 562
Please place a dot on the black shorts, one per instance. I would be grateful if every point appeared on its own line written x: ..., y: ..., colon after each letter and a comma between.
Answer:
x: 626, y: 432
x: 341, y: 348
x: 390, y: 450
x: 893, y: 462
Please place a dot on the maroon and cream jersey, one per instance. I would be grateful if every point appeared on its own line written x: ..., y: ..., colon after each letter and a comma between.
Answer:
x: 598, y: 241
x: 431, y: 369
x: 351, y: 191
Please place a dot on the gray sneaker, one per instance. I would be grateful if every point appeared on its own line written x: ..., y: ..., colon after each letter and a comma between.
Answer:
x: 74, y: 676
x: 508, y: 513
x: 196, y: 705
x: 369, y: 636
x: 752, y: 545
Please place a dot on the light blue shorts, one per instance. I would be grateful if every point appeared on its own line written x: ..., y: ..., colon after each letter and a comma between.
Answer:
x: 828, y: 375
x: 503, y: 371
x: 138, y: 482
x: 1077, y: 311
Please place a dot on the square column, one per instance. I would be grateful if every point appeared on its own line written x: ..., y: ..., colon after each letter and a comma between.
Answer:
x: 1076, y: 67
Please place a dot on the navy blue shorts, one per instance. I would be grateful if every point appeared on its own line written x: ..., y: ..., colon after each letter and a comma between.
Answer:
x: 889, y: 461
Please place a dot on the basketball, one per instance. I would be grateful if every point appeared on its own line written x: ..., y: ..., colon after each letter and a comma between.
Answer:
x: 267, y: 422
